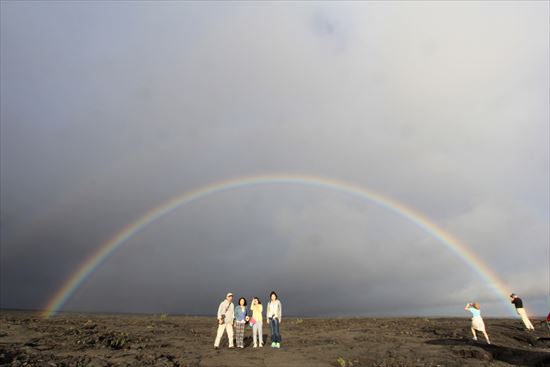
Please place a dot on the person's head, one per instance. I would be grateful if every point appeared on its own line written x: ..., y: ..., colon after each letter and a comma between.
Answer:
x: 256, y: 301
x: 229, y: 297
x: 242, y: 301
x: 475, y: 305
x: 273, y: 296
x: 513, y: 295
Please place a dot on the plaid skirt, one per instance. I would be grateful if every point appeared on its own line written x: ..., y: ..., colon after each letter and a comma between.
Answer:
x: 239, y: 333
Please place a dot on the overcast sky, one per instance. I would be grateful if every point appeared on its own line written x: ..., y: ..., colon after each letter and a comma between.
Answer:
x: 109, y: 109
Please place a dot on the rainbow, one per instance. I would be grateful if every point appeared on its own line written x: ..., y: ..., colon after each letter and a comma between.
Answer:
x: 105, y: 250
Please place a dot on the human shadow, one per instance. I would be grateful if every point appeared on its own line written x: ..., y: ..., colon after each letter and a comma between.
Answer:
x: 518, y: 357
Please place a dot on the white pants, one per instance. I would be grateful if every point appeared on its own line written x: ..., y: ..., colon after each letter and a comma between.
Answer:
x: 221, y: 329
x: 524, y: 318
x: 257, y: 332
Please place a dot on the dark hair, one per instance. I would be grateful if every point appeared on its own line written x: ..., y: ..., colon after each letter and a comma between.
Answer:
x: 244, y: 299
x: 259, y: 302
x: 273, y: 293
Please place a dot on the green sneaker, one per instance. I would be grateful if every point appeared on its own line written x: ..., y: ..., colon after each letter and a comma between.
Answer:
x: 277, y: 345
x: 273, y: 344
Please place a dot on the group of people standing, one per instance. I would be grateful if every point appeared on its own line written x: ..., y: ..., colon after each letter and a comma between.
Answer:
x: 239, y: 316
x: 479, y: 325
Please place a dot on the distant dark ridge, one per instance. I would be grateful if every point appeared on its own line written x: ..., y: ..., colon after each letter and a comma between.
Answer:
x: 73, y: 312
x: 346, y: 317
x: 19, y: 310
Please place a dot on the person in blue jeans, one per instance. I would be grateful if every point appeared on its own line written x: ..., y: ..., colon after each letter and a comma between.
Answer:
x: 274, y: 318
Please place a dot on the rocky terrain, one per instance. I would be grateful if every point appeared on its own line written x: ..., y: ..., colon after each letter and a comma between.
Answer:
x: 165, y: 340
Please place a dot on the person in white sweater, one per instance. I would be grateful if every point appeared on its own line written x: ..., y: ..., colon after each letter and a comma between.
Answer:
x: 226, y: 314
x: 274, y: 318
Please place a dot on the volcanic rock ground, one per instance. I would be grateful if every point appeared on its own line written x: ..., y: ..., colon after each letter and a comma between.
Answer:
x: 164, y: 340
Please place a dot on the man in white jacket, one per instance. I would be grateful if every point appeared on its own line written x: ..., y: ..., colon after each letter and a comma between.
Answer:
x: 226, y: 314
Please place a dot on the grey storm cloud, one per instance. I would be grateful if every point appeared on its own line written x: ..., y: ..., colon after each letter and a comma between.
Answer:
x: 110, y: 109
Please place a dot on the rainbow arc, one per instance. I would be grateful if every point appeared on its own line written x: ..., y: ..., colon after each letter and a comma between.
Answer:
x: 94, y: 261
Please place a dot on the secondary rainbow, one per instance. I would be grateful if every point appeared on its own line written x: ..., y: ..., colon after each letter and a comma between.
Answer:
x: 106, y: 249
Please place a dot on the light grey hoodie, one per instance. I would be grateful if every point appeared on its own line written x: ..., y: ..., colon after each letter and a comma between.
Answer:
x: 275, y: 309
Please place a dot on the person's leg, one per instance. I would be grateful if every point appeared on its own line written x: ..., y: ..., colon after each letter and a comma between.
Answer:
x: 486, y: 336
x: 528, y: 321
x: 474, y: 333
x: 276, y: 331
x: 520, y: 315
x: 237, y: 344
x: 525, y: 319
x: 241, y: 334
x: 219, y: 335
x: 254, y: 334
x: 260, y: 333
x: 271, y: 321
x: 229, y: 328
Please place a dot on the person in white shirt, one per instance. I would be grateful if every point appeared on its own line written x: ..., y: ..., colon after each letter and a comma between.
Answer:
x: 274, y: 318
x: 226, y: 314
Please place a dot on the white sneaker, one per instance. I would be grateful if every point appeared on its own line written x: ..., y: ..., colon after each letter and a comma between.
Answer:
x: 261, y: 345
x: 255, y: 346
